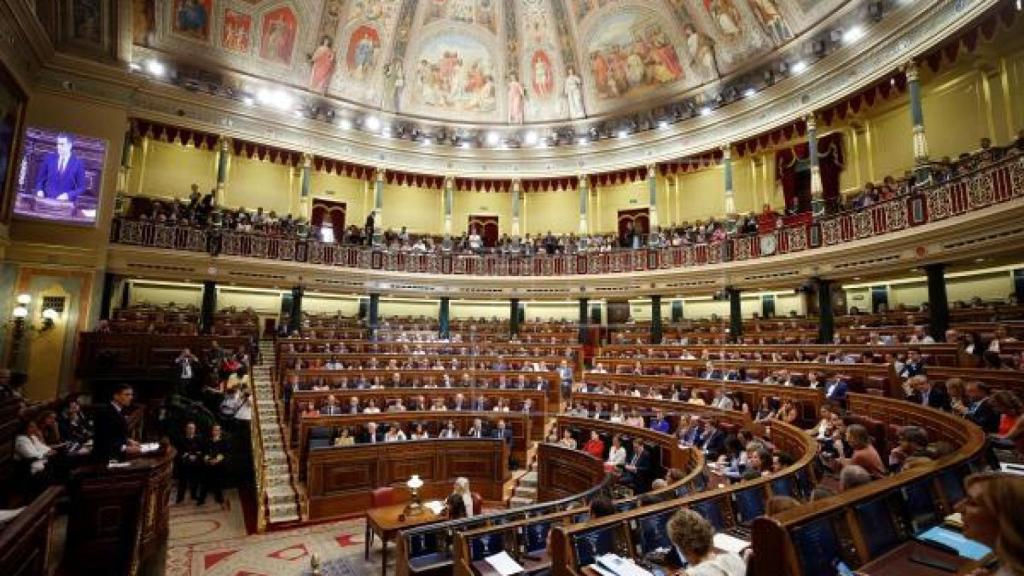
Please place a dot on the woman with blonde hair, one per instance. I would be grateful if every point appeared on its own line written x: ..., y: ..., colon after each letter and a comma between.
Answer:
x: 460, y: 501
x: 990, y: 516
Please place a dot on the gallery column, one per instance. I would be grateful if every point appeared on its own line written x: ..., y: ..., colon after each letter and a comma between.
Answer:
x: 373, y: 316
x: 513, y: 317
x: 378, y: 205
x: 223, y: 159
x: 584, y: 319
x: 652, y: 195
x: 938, y: 303
x: 448, y: 200
x: 817, y: 190
x: 826, y: 317
x: 516, y: 205
x: 656, y: 320
x: 584, y: 191
x: 209, y: 307
x: 917, y: 114
x: 443, y: 315
x: 735, y: 315
x: 295, y: 314
x: 730, y: 196
x: 305, y: 186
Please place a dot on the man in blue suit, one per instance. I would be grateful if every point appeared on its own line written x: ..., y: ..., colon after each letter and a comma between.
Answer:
x: 61, y: 175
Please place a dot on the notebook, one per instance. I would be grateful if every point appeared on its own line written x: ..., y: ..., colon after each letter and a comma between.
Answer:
x: 954, y: 542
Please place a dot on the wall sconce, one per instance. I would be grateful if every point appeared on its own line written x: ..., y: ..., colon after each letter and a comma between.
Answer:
x: 415, y: 507
x: 49, y: 317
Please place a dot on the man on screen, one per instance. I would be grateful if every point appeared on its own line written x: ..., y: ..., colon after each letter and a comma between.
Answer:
x: 61, y: 174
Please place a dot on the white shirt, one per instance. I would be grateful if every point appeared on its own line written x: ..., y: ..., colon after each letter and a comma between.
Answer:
x: 33, y: 449
x: 617, y: 456
x: 245, y: 410
x: 724, y: 564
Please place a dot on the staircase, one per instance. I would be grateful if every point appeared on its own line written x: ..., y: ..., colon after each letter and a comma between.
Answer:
x: 525, y: 492
x: 278, y: 490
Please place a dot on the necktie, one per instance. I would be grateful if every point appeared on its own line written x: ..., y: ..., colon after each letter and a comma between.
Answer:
x: 61, y: 163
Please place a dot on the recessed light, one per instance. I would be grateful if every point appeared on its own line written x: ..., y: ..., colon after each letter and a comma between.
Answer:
x: 248, y: 101
x: 372, y: 123
x: 156, y: 68
x: 663, y: 124
x: 979, y: 259
x: 530, y: 138
x: 705, y: 111
x: 623, y: 133
x: 853, y: 34
x: 465, y: 144
x: 493, y: 138
x: 799, y: 67
x: 749, y: 93
x: 345, y: 124
x: 134, y: 67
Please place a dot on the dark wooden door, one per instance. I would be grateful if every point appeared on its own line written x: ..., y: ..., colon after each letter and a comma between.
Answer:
x: 486, y: 226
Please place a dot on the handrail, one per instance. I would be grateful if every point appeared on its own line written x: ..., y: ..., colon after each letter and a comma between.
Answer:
x: 979, y: 188
x: 260, y: 469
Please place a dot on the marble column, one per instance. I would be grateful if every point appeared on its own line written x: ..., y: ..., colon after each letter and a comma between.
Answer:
x: 656, y: 331
x: 584, y: 190
x: 917, y: 113
x: 447, y: 201
x: 443, y: 316
x: 730, y: 196
x: 209, y: 307
x: 938, y: 302
x: 517, y: 191
x: 305, y: 187
x: 652, y: 195
x: 735, y: 315
x: 817, y: 190
x: 223, y: 159
x: 826, y: 317
x: 378, y: 205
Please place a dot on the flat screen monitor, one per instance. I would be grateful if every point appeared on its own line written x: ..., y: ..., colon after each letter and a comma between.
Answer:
x: 817, y: 547
x: 921, y: 510
x: 652, y: 532
x: 877, y: 525
x: 952, y: 482
x: 749, y: 504
x: 711, y: 510
x: 589, y: 544
x: 535, y: 536
x: 60, y: 176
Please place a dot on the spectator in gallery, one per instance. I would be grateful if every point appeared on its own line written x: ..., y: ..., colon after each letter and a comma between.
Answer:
x: 61, y: 174
x: 214, y: 455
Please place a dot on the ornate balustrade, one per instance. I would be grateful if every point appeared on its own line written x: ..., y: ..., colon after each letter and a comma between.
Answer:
x: 984, y: 187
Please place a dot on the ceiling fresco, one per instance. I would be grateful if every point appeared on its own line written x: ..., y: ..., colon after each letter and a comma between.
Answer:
x: 487, y: 61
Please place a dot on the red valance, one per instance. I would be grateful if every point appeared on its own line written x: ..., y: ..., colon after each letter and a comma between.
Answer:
x: 173, y: 134
x: 266, y: 153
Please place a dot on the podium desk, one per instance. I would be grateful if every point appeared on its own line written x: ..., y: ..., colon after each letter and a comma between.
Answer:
x: 387, y: 521
x: 119, y: 516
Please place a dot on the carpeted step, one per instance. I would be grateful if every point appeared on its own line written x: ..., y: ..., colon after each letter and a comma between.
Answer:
x: 528, y: 480
x: 523, y: 492
x: 517, y: 502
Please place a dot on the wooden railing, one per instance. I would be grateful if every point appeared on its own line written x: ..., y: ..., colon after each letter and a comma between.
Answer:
x: 989, y: 185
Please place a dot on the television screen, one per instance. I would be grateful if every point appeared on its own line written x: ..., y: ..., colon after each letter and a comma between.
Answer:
x: 749, y: 504
x: 817, y: 547
x: 59, y: 176
x: 921, y: 510
x: 877, y: 526
x: 590, y: 544
x: 711, y: 510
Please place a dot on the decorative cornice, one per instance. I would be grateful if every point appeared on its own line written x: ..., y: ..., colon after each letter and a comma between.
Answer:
x: 902, y: 36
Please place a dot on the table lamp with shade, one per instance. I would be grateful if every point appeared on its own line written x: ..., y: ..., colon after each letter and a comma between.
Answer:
x: 415, y: 507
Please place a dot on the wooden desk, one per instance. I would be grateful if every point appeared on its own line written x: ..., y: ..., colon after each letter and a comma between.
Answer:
x: 386, y: 522
x: 897, y: 561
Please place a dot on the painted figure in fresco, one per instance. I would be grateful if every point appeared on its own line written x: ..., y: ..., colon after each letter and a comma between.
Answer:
x: 726, y: 16
x: 767, y: 13
x: 701, y: 51
x: 394, y: 81
x: 236, y: 31
x: 516, y: 99
x: 364, y: 55
x: 322, y: 61
x: 574, y: 94
x: 192, y: 18
x: 278, y: 39
x: 542, y: 78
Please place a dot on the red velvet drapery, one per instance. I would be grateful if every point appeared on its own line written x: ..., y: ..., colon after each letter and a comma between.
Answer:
x: 830, y: 162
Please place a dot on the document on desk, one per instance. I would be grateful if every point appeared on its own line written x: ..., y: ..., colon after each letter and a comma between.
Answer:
x: 729, y: 543
x: 149, y: 447
x: 955, y: 542
x: 620, y: 566
x: 504, y: 564
x: 435, y: 506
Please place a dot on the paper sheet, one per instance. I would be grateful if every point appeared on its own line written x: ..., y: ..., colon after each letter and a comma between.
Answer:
x: 149, y: 447
x: 435, y: 506
x: 504, y: 564
x: 730, y: 543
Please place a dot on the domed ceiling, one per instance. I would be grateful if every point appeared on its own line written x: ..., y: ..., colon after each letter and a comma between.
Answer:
x: 480, y: 61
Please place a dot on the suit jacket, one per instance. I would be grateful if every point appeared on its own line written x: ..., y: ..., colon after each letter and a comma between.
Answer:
x: 471, y: 433
x: 982, y: 414
x: 365, y: 438
x: 936, y: 399
x: 911, y: 370
x: 331, y: 410
x: 53, y: 182
x: 714, y: 443
x: 836, y: 391
x: 506, y: 436
x: 111, y: 434
x: 479, y: 406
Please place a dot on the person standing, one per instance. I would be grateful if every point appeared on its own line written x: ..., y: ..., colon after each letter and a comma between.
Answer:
x: 214, y: 457
x: 111, y: 441
x: 189, y: 463
x: 61, y: 174
x: 188, y: 364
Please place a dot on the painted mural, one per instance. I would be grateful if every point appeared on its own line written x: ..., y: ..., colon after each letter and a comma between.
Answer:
x: 515, y: 61
x: 87, y: 20
x: 236, y: 32
x: 455, y: 73
x: 192, y: 19
x: 277, y: 35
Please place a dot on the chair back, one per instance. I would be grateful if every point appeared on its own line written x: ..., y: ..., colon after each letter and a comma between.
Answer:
x: 382, y: 497
x: 478, y: 504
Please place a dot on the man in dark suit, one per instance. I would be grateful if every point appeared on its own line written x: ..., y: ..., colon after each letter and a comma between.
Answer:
x: 637, y: 471
x: 111, y: 441
x: 836, y: 390
x: 925, y: 395
x: 61, y: 175
x: 502, y: 432
x: 980, y: 410
x: 214, y: 457
x: 479, y: 404
x: 371, y: 436
x: 914, y: 365
x: 189, y: 463
x: 331, y: 408
x: 477, y: 430
x: 714, y: 440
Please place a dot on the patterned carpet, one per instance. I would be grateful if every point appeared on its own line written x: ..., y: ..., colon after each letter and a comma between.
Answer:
x: 211, y: 541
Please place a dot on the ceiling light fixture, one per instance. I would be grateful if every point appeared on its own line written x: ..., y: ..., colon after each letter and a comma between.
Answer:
x: 345, y: 124
x: 248, y: 100
x: 372, y: 123
x: 663, y: 124
x: 275, y: 98
x: 749, y: 93
x: 156, y: 67
x: 705, y: 111
x: 530, y: 138
x: 799, y: 67
x: 853, y: 34
x: 622, y: 133
x: 493, y: 138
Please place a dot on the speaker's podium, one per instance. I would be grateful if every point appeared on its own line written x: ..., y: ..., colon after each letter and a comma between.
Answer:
x: 118, y: 519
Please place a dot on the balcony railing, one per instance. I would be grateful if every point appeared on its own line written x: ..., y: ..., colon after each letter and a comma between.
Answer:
x: 986, y: 186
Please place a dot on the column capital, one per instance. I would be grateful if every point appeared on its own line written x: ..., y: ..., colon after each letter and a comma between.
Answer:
x: 517, y: 185
x: 911, y: 70
x: 224, y: 143
x: 812, y: 122
x: 449, y: 181
x: 378, y: 174
x: 307, y: 159
x: 726, y: 151
x: 652, y: 170
x: 582, y: 181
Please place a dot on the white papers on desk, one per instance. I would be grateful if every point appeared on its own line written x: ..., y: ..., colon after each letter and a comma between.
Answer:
x: 435, y: 506
x: 149, y: 447
x: 1017, y: 469
x: 728, y: 543
x: 8, y: 515
x: 620, y: 566
x: 504, y: 564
